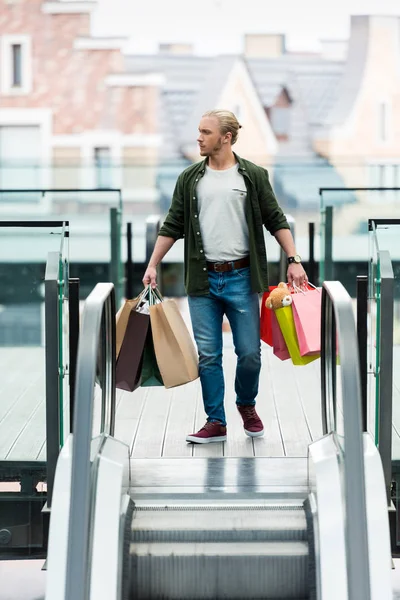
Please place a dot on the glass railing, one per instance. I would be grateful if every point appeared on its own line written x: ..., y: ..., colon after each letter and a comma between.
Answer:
x: 29, y: 384
x: 344, y: 215
x: 95, y: 218
x: 384, y: 352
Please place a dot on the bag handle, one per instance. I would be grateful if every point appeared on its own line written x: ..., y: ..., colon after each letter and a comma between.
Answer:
x: 298, y: 290
x: 155, y: 296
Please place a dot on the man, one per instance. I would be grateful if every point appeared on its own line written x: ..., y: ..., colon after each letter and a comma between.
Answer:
x: 219, y: 206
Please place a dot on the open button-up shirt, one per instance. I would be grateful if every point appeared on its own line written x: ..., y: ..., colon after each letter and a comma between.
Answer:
x: 261, y: 209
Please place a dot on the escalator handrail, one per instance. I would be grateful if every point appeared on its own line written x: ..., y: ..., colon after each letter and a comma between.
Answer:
x: 99, y: 309
x: 338, y: 330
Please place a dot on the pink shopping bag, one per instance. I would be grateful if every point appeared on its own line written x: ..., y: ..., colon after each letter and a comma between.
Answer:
x: 278, y: 341
x: 306, y: 307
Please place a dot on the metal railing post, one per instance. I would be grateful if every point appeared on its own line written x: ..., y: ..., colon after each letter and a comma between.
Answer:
x: 362, y: 337
x: 115, y: 254
x: 129, y: 262
x: 52, y: 370
x: 152, y: 229
x: 311, y: 271
x: 282, y: 256
x: 386, y: 368
x: 328, y: 240
x: 73, y: 310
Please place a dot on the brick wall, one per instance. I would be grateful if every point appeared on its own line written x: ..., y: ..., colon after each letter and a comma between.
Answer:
x: 70, y: 81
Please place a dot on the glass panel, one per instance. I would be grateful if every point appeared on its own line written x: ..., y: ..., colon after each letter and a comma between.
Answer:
x: 22, y: 339
x: 351, y: 212
x: 24, y: 252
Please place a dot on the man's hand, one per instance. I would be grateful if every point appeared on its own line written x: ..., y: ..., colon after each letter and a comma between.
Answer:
x: 296, y: 274
x: 150, y: 277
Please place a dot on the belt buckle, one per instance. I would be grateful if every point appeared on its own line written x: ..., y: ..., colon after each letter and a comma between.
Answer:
x: 217, y: 265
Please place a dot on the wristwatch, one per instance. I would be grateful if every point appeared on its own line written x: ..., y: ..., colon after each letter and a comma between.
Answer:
x: 294, y: 259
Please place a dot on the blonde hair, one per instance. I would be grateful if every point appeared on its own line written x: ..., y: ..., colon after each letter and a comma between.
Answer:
x: 227, y: 122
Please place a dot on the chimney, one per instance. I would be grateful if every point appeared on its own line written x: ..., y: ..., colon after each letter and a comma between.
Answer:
x: 176, y: 48
x: 264, y: 45
x: 334, y: 49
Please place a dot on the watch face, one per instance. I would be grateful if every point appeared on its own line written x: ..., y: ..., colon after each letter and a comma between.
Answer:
x: 297, y: 258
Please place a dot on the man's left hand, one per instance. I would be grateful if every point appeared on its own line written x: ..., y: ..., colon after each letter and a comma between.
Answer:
x: 297, y: 275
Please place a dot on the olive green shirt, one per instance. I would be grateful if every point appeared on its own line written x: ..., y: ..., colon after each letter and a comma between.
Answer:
x: 261, y: 209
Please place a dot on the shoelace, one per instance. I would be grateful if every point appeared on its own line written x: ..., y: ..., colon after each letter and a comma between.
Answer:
x: 249, y: 413
x: 209, y: 425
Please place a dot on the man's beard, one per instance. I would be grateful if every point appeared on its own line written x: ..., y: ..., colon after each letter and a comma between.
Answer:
x: 215, y: 150
x: 217, y: 147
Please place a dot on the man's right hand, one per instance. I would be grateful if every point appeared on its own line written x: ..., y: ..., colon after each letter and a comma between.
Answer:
x: 150, y: 277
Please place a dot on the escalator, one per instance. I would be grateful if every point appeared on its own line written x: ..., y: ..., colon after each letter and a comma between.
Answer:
x: 188, y: 529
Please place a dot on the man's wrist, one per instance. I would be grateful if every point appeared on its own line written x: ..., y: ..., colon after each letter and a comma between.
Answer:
x: 295, y: 258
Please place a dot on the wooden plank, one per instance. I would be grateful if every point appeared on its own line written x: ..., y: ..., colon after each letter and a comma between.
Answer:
x: 295, y: 433
x: 181, y: 420
x: 308, y: 382
x: 129, y: 410
x: 15, y: 421
x: 238, y: 443
x: 151, y: 429
x: 271, y: 444
x: 15, y: 380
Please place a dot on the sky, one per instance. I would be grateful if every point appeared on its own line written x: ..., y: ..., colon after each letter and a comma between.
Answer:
x: 218, y: 26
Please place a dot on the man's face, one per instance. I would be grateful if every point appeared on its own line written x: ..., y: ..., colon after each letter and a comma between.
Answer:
x: 210, y: 139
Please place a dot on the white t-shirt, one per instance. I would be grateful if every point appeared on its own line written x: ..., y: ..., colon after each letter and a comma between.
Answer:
x: 221, y: 201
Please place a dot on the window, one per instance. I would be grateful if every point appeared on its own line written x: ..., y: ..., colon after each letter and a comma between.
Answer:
x: 16, y: 67
x: 15, y: 64
x: 384, y: 175
x: 103, y: 167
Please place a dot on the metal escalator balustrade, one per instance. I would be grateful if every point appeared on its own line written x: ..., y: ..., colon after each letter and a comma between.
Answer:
x: 224, y: 545
x: 98, y: 321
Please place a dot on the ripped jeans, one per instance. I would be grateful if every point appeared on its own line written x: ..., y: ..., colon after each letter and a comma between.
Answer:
x: 230, y: 294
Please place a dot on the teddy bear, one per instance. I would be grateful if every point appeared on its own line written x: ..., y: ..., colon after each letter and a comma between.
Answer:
x: 279, y: 297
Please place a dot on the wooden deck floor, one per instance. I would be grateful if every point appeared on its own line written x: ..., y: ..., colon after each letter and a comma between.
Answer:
x: 154, y: 421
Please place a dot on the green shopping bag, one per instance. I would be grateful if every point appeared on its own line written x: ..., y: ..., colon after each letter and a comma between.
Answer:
x: 151, y: 376
x: 285, y: 319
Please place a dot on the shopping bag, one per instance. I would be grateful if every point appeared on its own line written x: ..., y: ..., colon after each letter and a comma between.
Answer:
x: 307, y: 320
x: 285, y: 319
x: 266, y: 319
x: 130, y: 358
x: 122, y: 321
x: 278, y: 341
x: 176, y: 354
x: 150, y: 376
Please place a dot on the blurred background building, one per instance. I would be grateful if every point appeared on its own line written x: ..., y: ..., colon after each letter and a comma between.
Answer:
x: 79, y: 112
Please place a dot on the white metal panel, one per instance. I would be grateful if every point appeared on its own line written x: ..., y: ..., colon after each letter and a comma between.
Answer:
x: 59, y: 520
x: 380, y: 563
x: 111, y: 482
x: 325, y: 483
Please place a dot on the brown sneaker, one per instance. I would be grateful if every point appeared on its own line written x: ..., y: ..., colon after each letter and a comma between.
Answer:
x: 211, y: 432
x: 252, y: 423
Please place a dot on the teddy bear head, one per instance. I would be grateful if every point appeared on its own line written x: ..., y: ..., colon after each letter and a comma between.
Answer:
x: 279, y: 297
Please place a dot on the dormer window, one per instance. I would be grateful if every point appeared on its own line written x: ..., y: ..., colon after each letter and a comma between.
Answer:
x: 279, y: 115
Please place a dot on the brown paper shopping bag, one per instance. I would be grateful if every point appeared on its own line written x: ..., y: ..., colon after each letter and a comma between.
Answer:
x: 122, y: 319
x: 174, y: 349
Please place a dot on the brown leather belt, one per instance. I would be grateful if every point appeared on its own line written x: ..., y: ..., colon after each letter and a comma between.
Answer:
x: 223, y: 267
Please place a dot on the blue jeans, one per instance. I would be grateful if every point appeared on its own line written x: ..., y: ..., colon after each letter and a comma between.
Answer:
x: 230, y: 294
